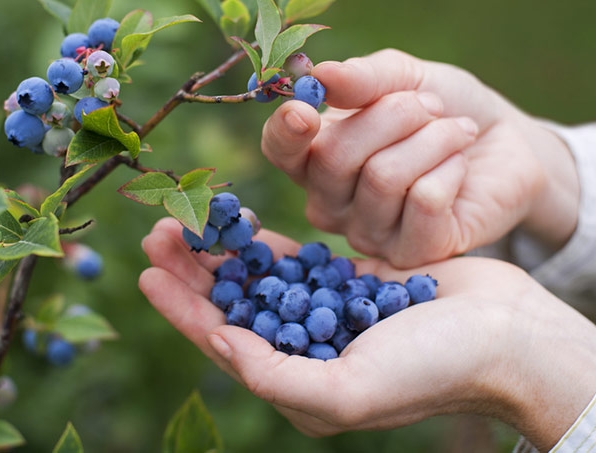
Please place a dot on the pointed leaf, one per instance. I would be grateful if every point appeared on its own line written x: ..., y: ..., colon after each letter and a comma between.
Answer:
x: 149, y: 188
x: 290, y: 40
x: 19, y: 207
x: 41, y: 238
x: 51, y: 203
x: 10, y: 228
x: 302, y: 9
x: 252, y: 54
x: 235, y: 19
x: 192, y: 429
x: 197, y: 177
x: 3, y: 201
x: 137, y: 21
x: 83, y: 328
x: 190, y: 207
x: 89, y: 147
x: 69, y: 442
x: 213, y: 8
x: 267, y: 28
x: 85, y: 12
x: 6, y: 267
x: 10, y: 437
x: 104, y: 121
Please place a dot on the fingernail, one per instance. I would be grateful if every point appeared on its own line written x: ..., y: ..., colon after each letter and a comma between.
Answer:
x: 295, y: 123
x: 431, y: 102
x: 220, y: 346
x: 468, y: 125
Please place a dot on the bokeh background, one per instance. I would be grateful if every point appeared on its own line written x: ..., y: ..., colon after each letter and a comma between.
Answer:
x: 541, y: 55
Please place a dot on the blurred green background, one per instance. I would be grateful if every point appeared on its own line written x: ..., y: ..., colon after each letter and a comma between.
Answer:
x: 538, y: 54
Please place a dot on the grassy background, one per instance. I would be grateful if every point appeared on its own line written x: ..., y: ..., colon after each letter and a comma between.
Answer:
x: 538, y: 54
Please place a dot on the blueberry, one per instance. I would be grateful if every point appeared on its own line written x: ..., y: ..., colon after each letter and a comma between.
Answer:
x: 251, y: 289
x: 391, y: 297
x: 257, y: 256
x: 345, y: 267
x: 56, y: 140
x: 298, y: 65
x: 224, y: 292
x: 11, y: 104
x: 269, y: 291
x: 360, y: 313
x: 87, y: 105
x: 327, y: 297
x: 223, y: 207
x: 101, y: 33
x: 301, y: 285
x: 421, y: 288
x: 232, y: 269
x: 373, y: 282
x: 266, y: 95
x: 24, y: 130
x: 294, y: 304
x: 30, y: 340
x: 65, y: 75
x: 292, y: 338
x: 8, y: 391
x: 308, y: 89
x: 60, y: 352
x: 321, y: 351
x: 197, y: 243
x: 249, y: 214
x: 323, y: 276
x: 74, y: 44
x: 241, y: 313
x: 76, y: 310
x: 288, y: 268
x: 35, y: 95
x: 236, y: 235
x: 353, y: 287
x: 100, y: 64
x: 58, y: 115
x: 321, y: 324
x: 107, y: 89
x: 314, y: 253
x: 342, y: 337
x: 89, y: 265
x: 265, y: 325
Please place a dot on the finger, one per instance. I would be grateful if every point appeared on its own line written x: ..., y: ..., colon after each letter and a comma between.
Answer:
x: 387, y: 177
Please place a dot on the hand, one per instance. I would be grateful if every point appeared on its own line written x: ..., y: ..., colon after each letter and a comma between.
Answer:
x: 494, y: 342
x: 417, y: 161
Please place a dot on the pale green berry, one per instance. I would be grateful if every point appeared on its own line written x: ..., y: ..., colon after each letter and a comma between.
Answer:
x: 56, y: 141
x: 58, y: 115
x: 107, y: 89
x: 100, y: 64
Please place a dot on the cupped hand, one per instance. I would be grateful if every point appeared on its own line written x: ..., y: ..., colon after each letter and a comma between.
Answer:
x: 488, y: 344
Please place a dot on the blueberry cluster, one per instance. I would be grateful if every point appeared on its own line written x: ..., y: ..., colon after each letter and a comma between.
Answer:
x: 298, y: 82
x: 38, y: 118
x: 311, y: 304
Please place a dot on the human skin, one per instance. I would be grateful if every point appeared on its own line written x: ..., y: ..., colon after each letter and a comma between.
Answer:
x: 494, y: 342
x: 410, y: 148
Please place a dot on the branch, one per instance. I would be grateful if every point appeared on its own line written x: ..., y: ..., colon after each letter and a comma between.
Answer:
x: 222, y: 99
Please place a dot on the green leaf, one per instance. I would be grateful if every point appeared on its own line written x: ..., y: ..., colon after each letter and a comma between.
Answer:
x: 252, y: 54
x: 195, y: 178
x: 51, y: 203
x: 235, y: 19
x: 302, y: 9
x: 19, y: 207
x: 213, y: 8
x: 105, y: 122
x: 192, y: 429
x: 252, y: 7
x: 190, y: 207
x: 10, y: 228
x: 57, y: 9
x: 290, y: 40
x: 6, y: 267
x: 270, y: 72
x: 137, y: 21
x: 85, y: 12
x: 149, y: 188
x: 41, y: 238
x: 89, y: 147
x: 267, y: 28
x: 83, y: 328
x: 10, y: 437
x: 134, y: 44
x: 69, y: 442
x: 50, y: 310
x: 3, y: 201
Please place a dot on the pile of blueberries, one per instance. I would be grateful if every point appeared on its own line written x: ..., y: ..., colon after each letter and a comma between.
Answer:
x: 311, y: 304
x: 38, y: 118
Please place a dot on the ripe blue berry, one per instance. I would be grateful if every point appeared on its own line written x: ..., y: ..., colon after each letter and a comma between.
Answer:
x: 310, y: 90
x: 236, y: 235
x: 35, y: 95
x: 232, y: 269
x: 344, y: 266
x: 65, y: 75
x: 87, y: 105
x: 223, y: 207
x: 266, y: 95
x: 314, y: 253
x: 373, y: 282
x: 353, y: 287
x: 241, y: 313
x: 30, y: 340
x: 342, y: 337
x: 391, y: 297
x: 321, y: 351
x: 330, y: 298
x: 101, y: 33
x: 269, y: 291
x: 294, y: 304
x: 321, y: 324
x: 360, y: 313
x: 100, y: 64
x: 323, y: 276
x: 24, y: 130
x: 74, y: 44
x: 257, y: 256
x: 421, y: 288
x: 224, y: 292
x: 292, y: 338
x: 288, y: 268
x: 197, y: 243
x: 60, y: 352
x: 265, y: 325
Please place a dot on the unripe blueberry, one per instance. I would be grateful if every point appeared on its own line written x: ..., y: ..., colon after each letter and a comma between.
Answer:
x: 309, y: 90
x: 35, y: 95
x: 60, y: 352
x: 59, y: 114
x: 87, y: 105
x: 249, y: 214
x: 24, y: 130
x: 107, y: 89
x: 102, y: 32
x: 65, y: 75
x: 74, y: 44
x: 8, y: 391
x: 56, y: 141
x: 100, y: 64
x: 11, y: 104
x: 266, y: 95
x: 297, y: 65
